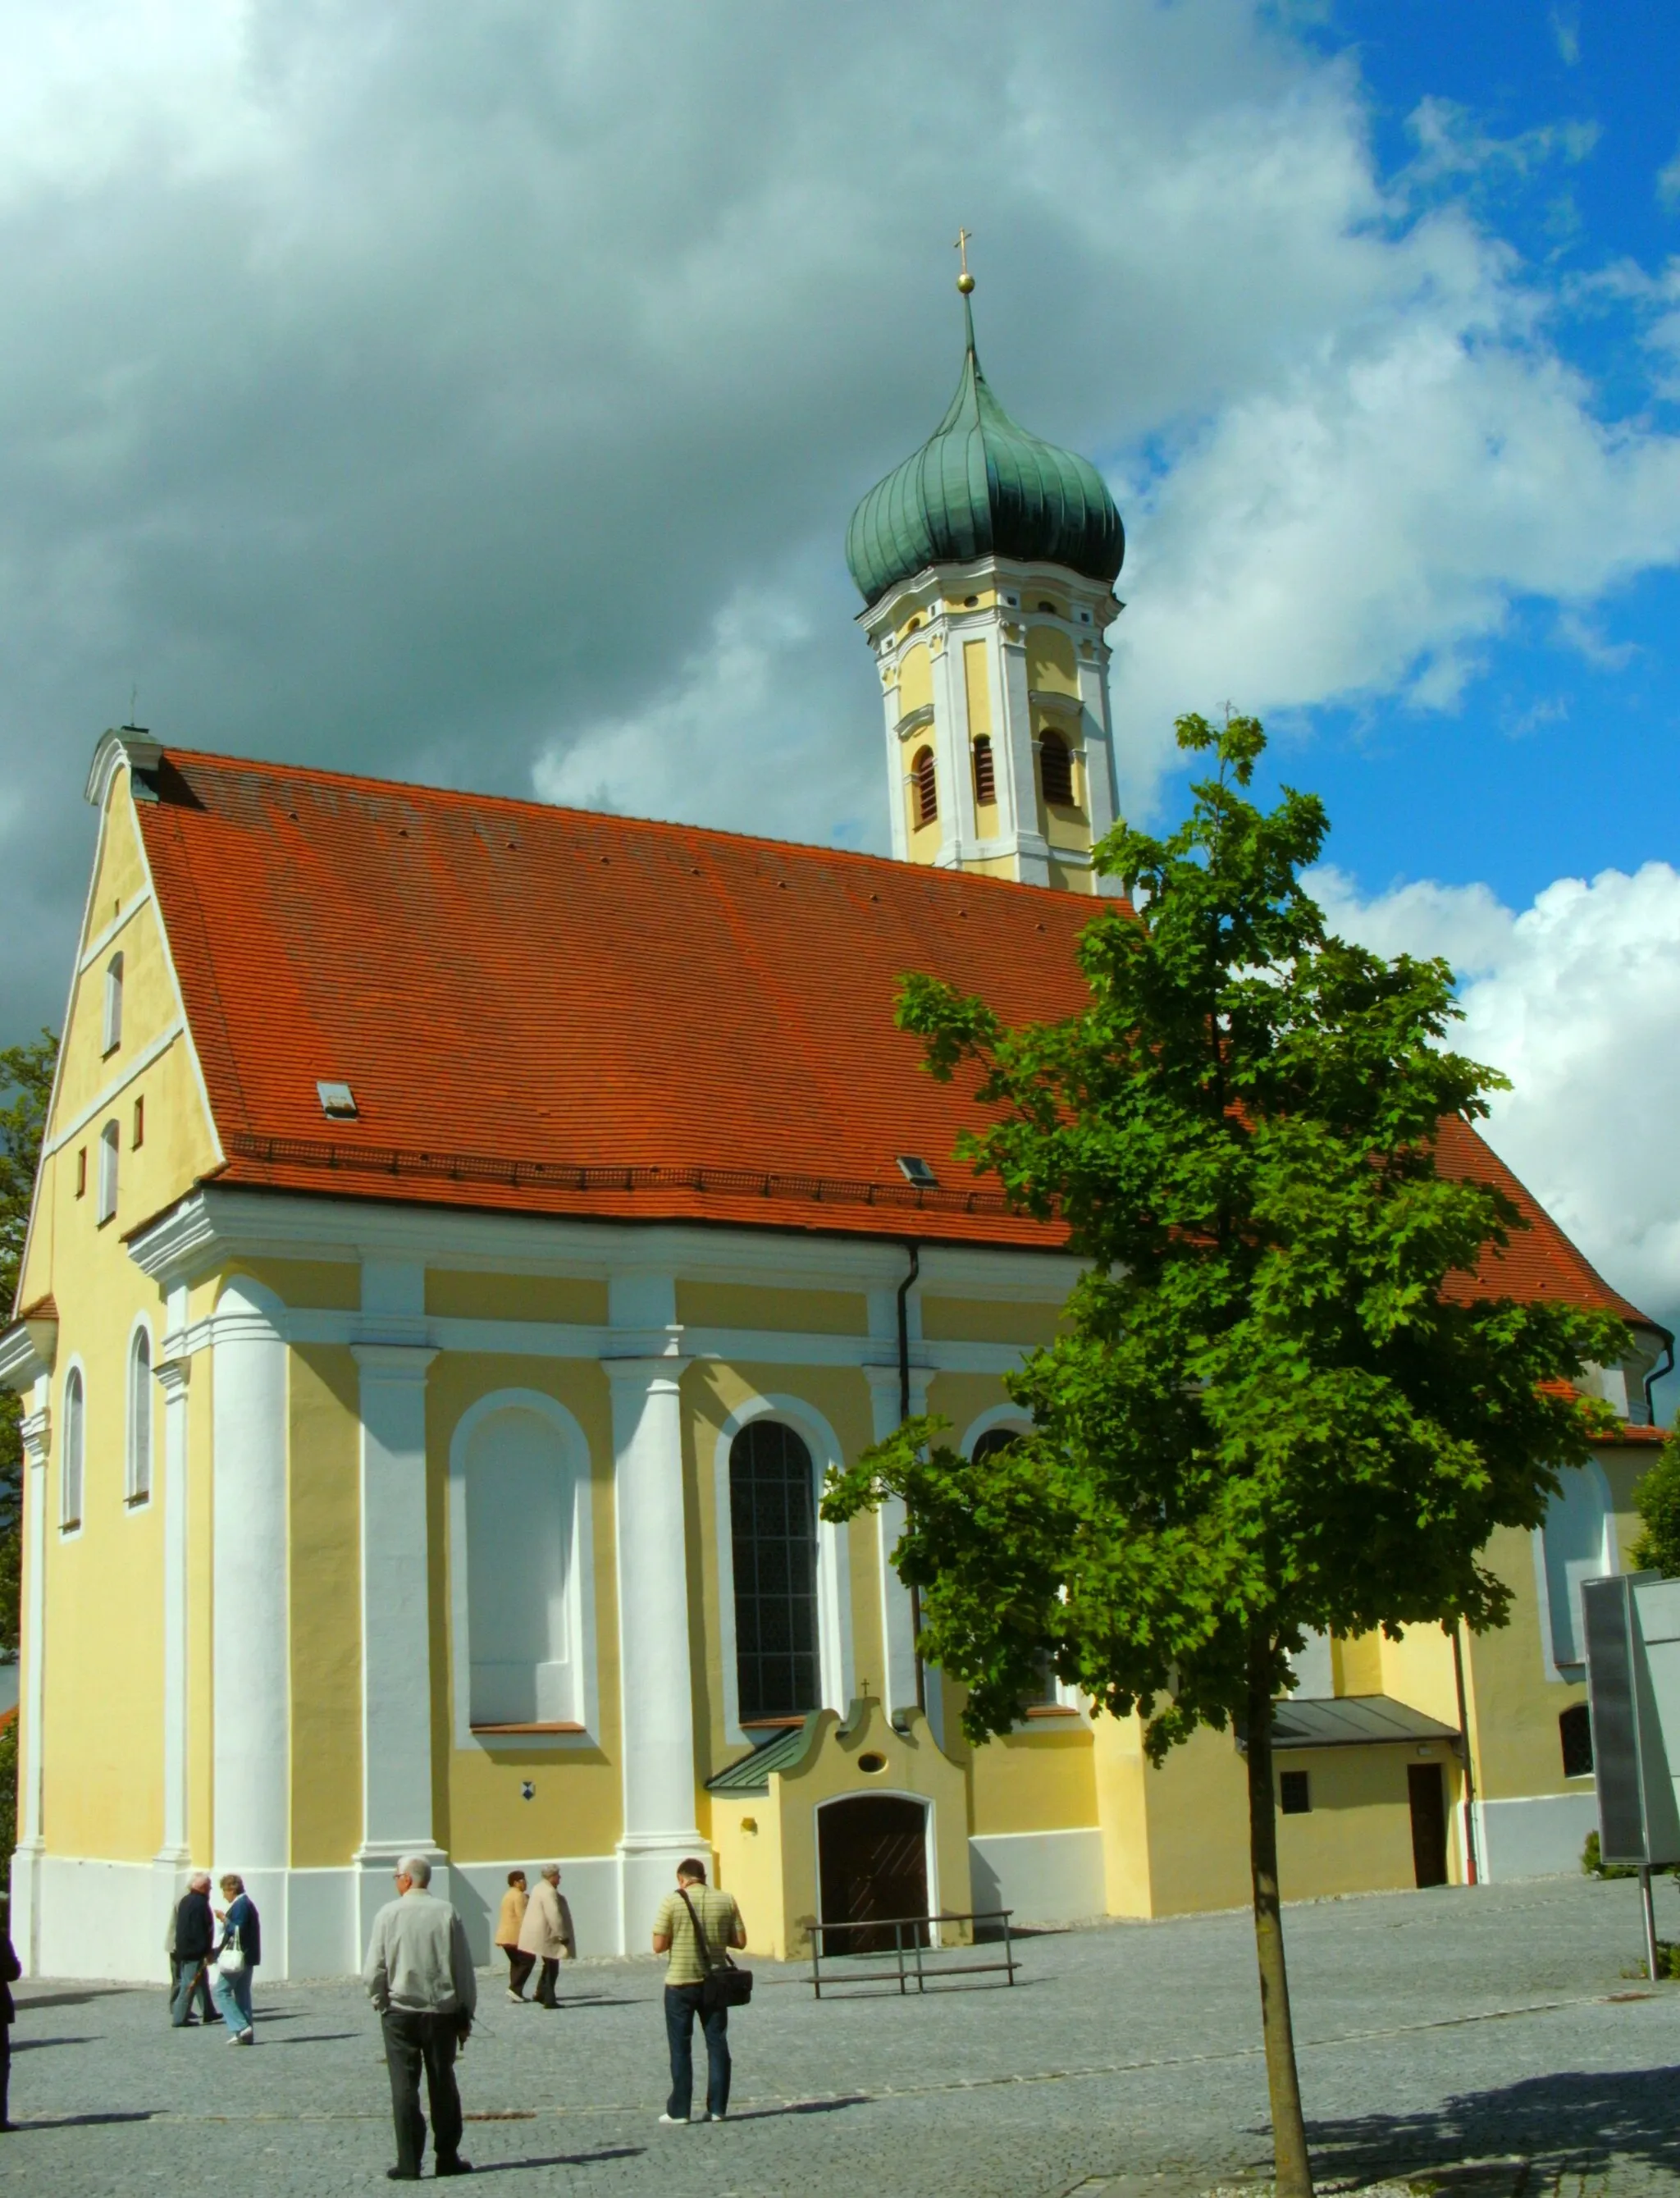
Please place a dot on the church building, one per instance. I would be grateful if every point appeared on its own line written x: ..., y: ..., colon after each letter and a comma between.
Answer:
x: 467, y: 1231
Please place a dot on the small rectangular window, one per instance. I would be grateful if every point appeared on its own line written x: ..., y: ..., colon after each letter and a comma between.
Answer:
x: 109, y: 1141
x: 139, y: 1136
x: 1294, y: 1795
x: 113, y: 1004
x: 82, y: 1171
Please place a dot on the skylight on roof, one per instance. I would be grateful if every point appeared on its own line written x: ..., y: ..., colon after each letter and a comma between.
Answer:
x: 916, y: 1170
x: 337, y: 1101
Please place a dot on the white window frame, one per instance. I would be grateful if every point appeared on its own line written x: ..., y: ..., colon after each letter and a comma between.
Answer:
x: 140, y: 1418
x: 1609, y: 1561
x: 581, y: 1596
x: 110, y: 1152
x: 835, y: 1663
x: 73, y: 1448
x: 113, y: 1004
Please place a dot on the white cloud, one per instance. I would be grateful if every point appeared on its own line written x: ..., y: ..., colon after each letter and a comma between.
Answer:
x: 1567, y: 34
x: 1576, y: 999
x: 477, y: 393
x: 1668, y: 181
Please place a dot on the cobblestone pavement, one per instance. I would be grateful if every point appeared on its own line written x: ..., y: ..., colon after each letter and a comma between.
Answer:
x: 1500, y: 2025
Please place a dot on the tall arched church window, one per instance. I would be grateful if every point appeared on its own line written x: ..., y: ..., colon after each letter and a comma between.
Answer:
x: 73, y: 1454
x: 138, y: 1476
x: 985, y: 776
x: 113, y: 1004
x: 1055, y: 770
x: 521, y: 1505
x: 773, y: 1541
x: 926, y: 787
x: 1046, y: 1694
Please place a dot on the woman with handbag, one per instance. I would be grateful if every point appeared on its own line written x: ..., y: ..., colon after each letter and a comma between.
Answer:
x: 237, y: 1953
x: 696, y: 1926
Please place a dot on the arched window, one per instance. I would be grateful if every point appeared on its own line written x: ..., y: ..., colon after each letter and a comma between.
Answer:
x: 1574, y: 1732
x: 773, y: 1541
x: 1047, y: 1694
x: 113, y: 1004
x: 520, y: 1506
x: 138, y: 1476
x: 927, y: 789
x: 109, y: 1140
x: 986, y: 777
x: 1055, y: 769
x: 72, y: 1451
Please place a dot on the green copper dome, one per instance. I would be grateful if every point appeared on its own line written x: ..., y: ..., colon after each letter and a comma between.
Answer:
x: 981, y: 486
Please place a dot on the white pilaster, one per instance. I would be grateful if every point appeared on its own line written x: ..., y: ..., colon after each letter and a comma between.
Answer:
x: 1019, y: 758
x: 655, y: 1676
x: 897, y: 1624
x: 396, y: 1796
x: 250, y: 1724
x: 174, y: 1370
x: 25, y: 1901
x: 950, y: 750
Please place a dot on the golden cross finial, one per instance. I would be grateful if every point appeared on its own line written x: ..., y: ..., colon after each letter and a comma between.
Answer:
x: 965, y: 281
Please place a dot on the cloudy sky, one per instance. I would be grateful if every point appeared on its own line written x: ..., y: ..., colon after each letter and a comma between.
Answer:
x: 479, y: 394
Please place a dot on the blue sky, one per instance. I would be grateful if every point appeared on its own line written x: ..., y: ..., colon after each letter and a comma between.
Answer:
x: 1560, y: 756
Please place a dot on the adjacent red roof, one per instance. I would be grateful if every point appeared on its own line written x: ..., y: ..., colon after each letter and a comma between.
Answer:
x: 547, y: 1010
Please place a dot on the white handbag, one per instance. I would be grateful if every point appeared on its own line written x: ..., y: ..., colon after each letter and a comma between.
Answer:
x: 231, y: 1959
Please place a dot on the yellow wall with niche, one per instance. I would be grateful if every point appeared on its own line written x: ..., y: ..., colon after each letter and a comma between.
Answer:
x: 1356, y: 1837
x: 1039, y: 1779
x: 1418, y: 1669
x: 1197, y: 1810
x: 1121, y: 1776
x: 325, y: 1589
x: 1050, y: 665
x: 567, y: 1300
x: 711, y: 1393
x: 799, y: 1313
x: 987, y: 1320
x: 577, y: 1807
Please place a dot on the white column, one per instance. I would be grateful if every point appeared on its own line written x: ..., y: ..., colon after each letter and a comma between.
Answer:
x: 25, y: 1902
x: 1099, y: 793
x: 655, y: 1678
x: 951, y: 751
x: 396, y: 1586
x: 250, y: 1657
x: 174, y: 1370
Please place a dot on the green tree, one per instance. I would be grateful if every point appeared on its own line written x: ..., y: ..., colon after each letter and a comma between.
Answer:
x: 1270, y: 1412
x: 1657, y: 1500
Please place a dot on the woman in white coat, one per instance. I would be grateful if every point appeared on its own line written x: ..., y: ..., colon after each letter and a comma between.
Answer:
x: 547, y: 1932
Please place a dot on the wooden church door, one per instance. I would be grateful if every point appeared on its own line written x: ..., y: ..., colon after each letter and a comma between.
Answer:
x: 872, y: 1852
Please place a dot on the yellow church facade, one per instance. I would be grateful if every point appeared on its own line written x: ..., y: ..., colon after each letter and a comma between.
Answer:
x: 468, y: 1232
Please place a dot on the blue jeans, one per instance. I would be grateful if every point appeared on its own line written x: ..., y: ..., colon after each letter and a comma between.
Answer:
x: 190, y: 1983
x: 232, y: 1996
x: 682, y: 2005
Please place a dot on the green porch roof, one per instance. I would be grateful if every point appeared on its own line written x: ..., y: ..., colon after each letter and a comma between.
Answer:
x: 751, y: 1775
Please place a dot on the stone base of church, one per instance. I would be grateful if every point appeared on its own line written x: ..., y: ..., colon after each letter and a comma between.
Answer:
x: 72, y: 1917
x: 1536, y: 1835
x: 1040, y: 1877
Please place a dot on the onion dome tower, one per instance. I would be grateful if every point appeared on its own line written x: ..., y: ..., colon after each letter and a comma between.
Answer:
x: 988, y: 563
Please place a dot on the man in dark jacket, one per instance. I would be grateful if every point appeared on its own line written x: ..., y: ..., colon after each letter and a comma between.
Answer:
x: 194, y: 1936
x: 10, y: 1970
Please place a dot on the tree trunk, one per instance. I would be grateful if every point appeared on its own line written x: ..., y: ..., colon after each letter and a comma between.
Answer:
x: 1288, y: 2130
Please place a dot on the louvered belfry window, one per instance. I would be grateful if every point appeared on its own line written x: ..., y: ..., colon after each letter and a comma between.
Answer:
x: 926, y: 787
x: 773, y: 1541
x: 985, y: 778
x: 1056, y: 768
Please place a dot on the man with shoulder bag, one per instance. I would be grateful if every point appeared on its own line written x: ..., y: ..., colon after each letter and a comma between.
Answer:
x: 696, y: 1926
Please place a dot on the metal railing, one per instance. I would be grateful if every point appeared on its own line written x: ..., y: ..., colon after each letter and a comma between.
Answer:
x: 915, y: 1953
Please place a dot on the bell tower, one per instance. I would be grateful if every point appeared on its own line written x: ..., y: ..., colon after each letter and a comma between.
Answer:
x: 987, y: 562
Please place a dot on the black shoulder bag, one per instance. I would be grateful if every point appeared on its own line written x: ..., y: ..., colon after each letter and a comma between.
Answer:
x: 726, y: 1985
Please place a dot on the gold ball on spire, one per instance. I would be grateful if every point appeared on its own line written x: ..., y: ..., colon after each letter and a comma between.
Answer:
x: 965, y: 282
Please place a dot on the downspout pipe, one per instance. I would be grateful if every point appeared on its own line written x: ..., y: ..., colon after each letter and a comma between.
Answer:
x: 905, y: 1288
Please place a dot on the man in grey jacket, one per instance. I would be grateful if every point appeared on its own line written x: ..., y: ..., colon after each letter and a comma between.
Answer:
x: 419, y: 1975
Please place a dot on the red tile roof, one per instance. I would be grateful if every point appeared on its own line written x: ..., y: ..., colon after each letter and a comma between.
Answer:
x: 547, y: 1010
